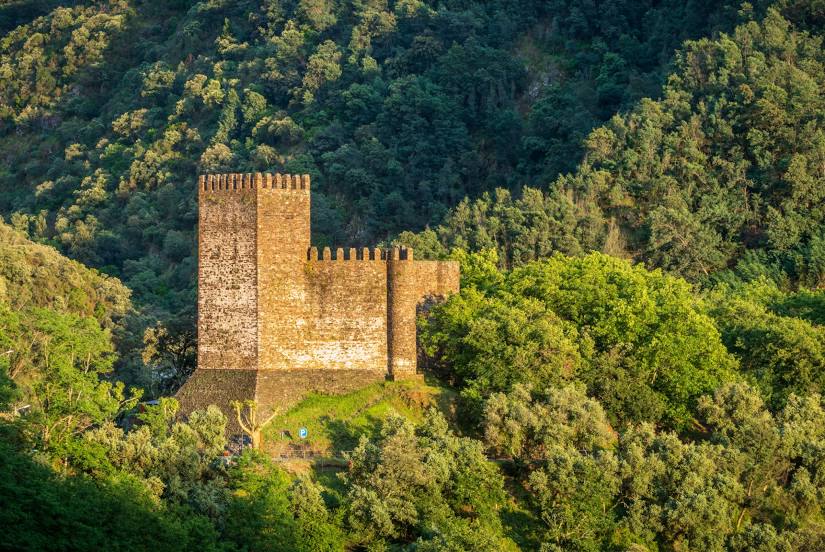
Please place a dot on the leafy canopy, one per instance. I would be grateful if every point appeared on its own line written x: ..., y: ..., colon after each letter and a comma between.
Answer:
x: 642, y: 341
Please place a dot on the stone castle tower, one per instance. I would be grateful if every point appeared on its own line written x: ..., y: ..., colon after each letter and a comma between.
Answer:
x: 276, y: 320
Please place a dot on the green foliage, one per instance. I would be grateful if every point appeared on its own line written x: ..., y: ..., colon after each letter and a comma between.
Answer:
x: 567, y: 446
x: 478, y: 270
x: 727, y: 162
x: 56, y: 363
x: 315, y: 528
x: 747, y: 484
x: 777, y: 336
x: 423, y: 481
x: 523, y: 228
x: 731, y: 489
x: 33, y: 275
x: 258, y: 516
x: 39, y: 62
x: 175, y: 460
x: 48, y: 512
x: 640, y: 340
x: 169, y: 351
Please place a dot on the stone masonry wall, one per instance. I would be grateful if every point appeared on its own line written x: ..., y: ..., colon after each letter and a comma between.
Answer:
x: 227, y: 274
x: 409, y: 283
x: 218, y: 387
x: 346, y: 324
x: 283, y: 241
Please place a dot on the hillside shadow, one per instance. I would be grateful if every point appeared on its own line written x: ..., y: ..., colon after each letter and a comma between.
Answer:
x: 344, y: 436
x: 341, y: 434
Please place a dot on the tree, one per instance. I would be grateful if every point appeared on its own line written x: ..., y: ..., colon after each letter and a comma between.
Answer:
x: 781, y: 350
x: 51, y: 512
x: 172, y: 459
x: 624, y: 331
x: 315, y: 528
x: 323, y: 66
x: 738, y: 420
x: 170, y: 354
x: 246, y: 414
x: 258, y: 515
x: 423, y: 483
x: 678, y: 494
x: 567, y: 449
x: 57, y: 362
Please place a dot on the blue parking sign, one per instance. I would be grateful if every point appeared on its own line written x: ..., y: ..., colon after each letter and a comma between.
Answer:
x: 302, y: 433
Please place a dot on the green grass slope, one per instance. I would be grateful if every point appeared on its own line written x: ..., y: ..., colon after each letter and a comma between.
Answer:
x: 334, y: 423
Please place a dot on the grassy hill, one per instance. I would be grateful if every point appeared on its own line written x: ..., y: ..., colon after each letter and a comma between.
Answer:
x: 334, y: 423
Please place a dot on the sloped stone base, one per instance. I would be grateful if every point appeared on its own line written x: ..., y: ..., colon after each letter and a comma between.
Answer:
x: 218, y: 387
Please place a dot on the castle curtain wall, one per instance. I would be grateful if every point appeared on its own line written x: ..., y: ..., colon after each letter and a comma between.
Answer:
x: 347, y: 323
x: 410, y: 282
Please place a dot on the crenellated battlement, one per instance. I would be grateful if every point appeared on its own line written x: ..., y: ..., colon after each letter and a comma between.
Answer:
x: 362, y: 254
x: 232, y: 182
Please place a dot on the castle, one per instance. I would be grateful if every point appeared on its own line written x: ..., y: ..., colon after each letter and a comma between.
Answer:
x: 277, y: 320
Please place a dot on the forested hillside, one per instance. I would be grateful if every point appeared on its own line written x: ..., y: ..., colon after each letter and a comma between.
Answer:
x: 722, y: 177
x: 635, y: 191
x: 398, y: 111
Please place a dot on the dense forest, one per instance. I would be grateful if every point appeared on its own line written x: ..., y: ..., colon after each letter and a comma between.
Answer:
x: 635, y: 191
